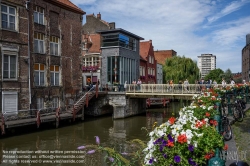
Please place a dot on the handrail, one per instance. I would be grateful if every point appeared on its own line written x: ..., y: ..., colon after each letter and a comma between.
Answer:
x: 173, y: 88
x: 84, y: 95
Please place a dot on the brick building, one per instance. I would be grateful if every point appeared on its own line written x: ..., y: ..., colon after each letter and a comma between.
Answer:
x: 40, y: 53
x: 162, y: 55
x: 91, y: 54
x: 148, y: 63
x: 246, y: 60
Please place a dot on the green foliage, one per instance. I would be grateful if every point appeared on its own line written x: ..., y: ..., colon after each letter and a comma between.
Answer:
x: 227, y: 75
x: 180, y: 68
x: 215, y: 74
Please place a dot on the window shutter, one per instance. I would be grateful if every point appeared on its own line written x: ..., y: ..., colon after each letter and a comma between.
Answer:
x: 10, y: 103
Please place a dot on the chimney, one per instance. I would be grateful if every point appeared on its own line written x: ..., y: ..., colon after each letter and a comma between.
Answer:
x: 99, y: 16
x: 112, y: 25
x: 150, y: 41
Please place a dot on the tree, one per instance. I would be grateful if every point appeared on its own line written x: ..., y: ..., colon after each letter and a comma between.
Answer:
x: 227, y: 75
x: 180, y: 68
x: 215, y: 74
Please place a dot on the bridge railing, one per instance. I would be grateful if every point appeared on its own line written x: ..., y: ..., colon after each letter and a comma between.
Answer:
x: 169, y: 89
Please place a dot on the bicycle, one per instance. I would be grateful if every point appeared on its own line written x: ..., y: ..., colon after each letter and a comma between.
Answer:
x: 238, y: 110
x: 225, y: 124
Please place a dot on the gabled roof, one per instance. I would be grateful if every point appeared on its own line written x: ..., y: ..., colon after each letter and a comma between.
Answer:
x: 68, y: 5
x: 144, y: 49
x: 93, y: 15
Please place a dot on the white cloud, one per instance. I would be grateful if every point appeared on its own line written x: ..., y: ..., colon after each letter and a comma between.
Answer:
x: 232, y: 7
x: 179, y: 25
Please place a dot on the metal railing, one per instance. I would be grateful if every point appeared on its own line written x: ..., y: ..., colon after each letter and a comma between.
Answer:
x: 169, y: 89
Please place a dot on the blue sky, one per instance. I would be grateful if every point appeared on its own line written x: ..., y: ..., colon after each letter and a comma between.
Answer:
x: 190, y: 27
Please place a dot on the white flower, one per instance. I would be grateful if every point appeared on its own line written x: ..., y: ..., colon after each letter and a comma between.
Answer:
x: 210, y: 107
x: 195, y: 144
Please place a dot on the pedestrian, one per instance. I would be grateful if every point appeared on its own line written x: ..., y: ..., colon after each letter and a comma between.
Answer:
x: 215, y: 84
x: 232, y: 82
x: 125, y: 85
x: 224, y: 83
x: 186, y: 85
x: 139, y: 84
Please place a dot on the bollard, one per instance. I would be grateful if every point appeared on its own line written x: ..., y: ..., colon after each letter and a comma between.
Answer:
x: 216, y: 161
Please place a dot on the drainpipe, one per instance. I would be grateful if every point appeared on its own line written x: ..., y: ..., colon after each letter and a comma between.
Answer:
x: 26, y: 4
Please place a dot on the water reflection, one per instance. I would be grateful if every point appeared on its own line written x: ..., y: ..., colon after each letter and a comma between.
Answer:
x: 112, y: 133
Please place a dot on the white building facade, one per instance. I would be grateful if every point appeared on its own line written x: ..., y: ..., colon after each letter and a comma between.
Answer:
x: 206, y: 63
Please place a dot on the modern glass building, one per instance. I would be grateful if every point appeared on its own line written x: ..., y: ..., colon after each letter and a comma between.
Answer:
x: 120, y: 56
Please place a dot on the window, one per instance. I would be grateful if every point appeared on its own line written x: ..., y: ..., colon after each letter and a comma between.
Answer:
x: 9, y: 66
x: 141, y: 71
x: 119, y: 40
x: 39, y: 103
x: 91, y: 61
x: 54, y: 75
x: 54, y: 45
x: 8, y: 17
x: 10, y: 102
x: 55, y: 102
x: 152, y: 60
x: 39, y: 15
x: 39, y: 74
x: 39, y: 43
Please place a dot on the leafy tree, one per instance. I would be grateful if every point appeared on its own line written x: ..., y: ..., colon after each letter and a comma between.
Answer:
x: 215, y: 74
x: 227, y: 75
x: 180, y: 68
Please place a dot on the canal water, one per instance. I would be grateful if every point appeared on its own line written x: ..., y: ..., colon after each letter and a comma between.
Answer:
x: 59, y: 146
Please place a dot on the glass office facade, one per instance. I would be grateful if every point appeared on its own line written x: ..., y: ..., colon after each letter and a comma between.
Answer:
x: 121, y: 69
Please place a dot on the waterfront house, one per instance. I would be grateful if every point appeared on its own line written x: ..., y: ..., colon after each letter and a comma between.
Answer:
x: 40, y: 53
x: 120, y: 56
x: 91, y: 53
x: 148, y: 64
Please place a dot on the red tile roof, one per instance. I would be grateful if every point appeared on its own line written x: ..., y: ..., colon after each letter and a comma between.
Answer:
x: 68, y: 4
x: 144, y: 49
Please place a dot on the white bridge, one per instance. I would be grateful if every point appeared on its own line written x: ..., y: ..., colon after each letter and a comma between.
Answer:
x: 174, y: 91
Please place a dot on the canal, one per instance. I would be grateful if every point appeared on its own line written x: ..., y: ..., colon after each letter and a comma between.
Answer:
x: 60, y: 145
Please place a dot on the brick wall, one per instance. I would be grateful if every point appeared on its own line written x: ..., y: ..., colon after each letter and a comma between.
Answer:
x: 59, y: 22
x: 18, y: 41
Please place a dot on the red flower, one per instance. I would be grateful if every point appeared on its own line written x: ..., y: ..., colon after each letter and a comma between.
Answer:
x: 170, y: 144
x: 182, y: 138
x: 207, y: 114
x: 207, y: 156
x: 171, y: 120
x: 214, y: 122
x: 198, y: 124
